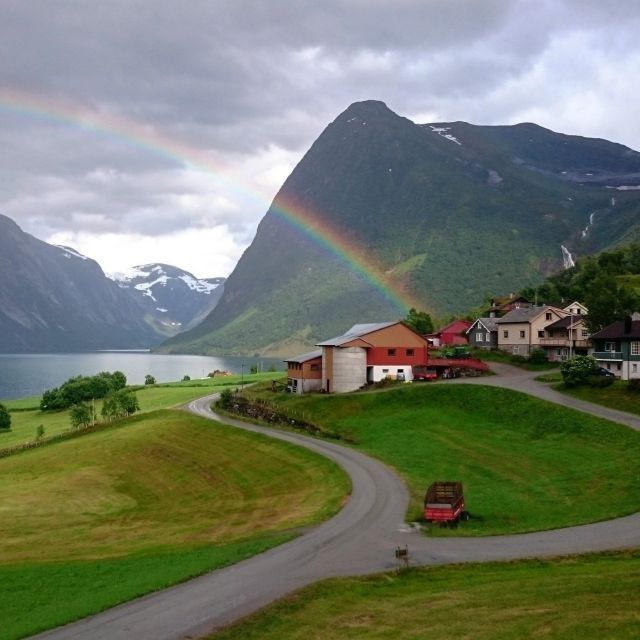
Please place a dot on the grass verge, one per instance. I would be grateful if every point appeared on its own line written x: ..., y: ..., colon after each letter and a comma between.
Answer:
x: 526, y: 464
x: 616, y: 396
x: 590, y: 597
x: 39, y: 596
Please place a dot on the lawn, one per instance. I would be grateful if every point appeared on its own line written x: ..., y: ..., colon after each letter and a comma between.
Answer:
x: 525, y: 464
x: 592, y: 598
x: 26, y: 416
x: 616, y: 396
x: 165, y: 490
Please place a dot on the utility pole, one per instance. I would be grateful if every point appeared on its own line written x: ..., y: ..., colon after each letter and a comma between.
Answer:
x: 242, y: 377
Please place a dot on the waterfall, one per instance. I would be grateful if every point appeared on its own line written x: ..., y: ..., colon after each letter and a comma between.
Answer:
x: 585, y: 231
x: 567, y: 258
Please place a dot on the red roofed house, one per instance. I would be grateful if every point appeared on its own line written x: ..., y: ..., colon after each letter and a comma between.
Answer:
x: 453, y: 334
x: 369, y: 353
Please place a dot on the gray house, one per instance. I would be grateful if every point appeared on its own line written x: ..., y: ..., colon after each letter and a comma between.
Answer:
x: 617, y: 348
x: 483, y: 334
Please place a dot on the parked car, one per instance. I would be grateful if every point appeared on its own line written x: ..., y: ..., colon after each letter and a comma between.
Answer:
x: 606, y: 373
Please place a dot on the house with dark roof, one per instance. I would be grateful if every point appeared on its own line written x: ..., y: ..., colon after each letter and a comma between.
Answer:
x: 366, y: 353
x: 483, y: 334
x: 304, y: 372
x: 617, y: 347
x: 520, y: 330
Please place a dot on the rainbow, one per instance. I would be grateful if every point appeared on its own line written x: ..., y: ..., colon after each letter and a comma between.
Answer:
x: 147, y: 138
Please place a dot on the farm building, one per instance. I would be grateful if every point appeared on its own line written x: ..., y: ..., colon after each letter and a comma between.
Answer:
x: 366, y: 353
x: 304, y: 372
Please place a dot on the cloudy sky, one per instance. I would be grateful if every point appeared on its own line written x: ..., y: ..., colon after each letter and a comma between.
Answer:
x: 159, y: 131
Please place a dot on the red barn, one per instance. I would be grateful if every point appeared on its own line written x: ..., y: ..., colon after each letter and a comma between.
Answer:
x: 454, y: 333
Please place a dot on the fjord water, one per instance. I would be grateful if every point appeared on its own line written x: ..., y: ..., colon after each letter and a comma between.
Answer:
x: 30, y: 374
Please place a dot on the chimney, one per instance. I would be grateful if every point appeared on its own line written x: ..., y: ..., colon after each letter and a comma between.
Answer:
x: 627, y: 324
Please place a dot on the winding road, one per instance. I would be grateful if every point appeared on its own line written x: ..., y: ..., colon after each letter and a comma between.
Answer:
x: 360, y: 539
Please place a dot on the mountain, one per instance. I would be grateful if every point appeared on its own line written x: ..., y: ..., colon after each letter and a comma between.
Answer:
x: 448, y: 212
x: 54, y: 299
x: 175, y: 299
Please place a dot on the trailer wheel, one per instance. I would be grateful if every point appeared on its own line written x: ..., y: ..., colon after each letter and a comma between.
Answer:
x: 465, y: 516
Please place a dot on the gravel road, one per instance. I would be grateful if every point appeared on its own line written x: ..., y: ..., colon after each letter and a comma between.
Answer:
x: 361, y: 539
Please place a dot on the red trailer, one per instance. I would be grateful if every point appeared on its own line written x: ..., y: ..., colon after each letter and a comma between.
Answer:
x: 444, y: 503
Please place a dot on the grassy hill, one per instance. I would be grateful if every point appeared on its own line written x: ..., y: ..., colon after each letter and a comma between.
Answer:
x: 525, y: 464
x: 156, y: 499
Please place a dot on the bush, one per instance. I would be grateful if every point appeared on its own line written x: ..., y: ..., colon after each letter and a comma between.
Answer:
x: 578, y: 370
x: 149, y: 379
x: 226, y: 399
x: 5, y: 418
x: 538, y: 356
x: 634, y: 384
x: 599, y: 382
x: 517, y: 359
x: 186, y: 378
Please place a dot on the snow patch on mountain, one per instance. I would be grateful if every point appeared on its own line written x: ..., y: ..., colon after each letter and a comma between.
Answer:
x: 68, y: 252
x: 201, y: 286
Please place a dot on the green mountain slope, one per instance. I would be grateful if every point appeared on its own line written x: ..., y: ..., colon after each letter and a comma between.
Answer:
x: 447, y: 212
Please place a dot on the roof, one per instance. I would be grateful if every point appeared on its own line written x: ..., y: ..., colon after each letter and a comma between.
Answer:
x: 456, y: 325
x: 357, y: 331
x: 305, y: 357
x: 617, y: 330
x: 524, y: 314
x: 566, y: 323
x: 488, y: 323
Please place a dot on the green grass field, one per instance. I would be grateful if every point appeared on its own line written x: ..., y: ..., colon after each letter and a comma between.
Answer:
x: 616, y: 396
x: 592, y: 598
x: 165, y: 490
x: 26, y: 415
x: 525, y: 464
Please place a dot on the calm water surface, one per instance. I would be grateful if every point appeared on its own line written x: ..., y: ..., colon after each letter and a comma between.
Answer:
x: 30, y: 374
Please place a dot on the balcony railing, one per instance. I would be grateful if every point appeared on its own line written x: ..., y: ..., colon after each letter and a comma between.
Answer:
x: 607, y: 355
x: 563, y: 342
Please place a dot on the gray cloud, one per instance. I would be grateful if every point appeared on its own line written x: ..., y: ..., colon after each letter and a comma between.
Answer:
x: 175, y: 94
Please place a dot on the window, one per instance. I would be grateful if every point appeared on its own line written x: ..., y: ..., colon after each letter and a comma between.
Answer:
x: 548, y: 316
x: 522, y: 334
x: 505, y: 334
x: 516, y: 349
x: 635, y: 348
x: 479, y: 337
x: 385, y: 371
x: 609, y: 346
x: 487, y: 337
x: 315, y: 367
x: 540, y: 334
x: 400, y: 370
x: 634, y: 368
x: 585, y: 333
x: 391, y: 352
x: 618, y: 366
x: 410, y: 353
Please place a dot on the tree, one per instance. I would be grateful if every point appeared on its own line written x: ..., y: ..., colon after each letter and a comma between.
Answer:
x: 119, y: 404
x: 119, y: 380
x: 5, y: 418
x: 578, y: 370
x: 608, y: 301
x: 419, y: 321
x: 149, y: 379
x: 186, y: 378
x: 81, y: 414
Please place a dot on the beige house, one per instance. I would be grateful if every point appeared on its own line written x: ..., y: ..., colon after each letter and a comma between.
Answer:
x: 566, y: 338
x: 522, y: 330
